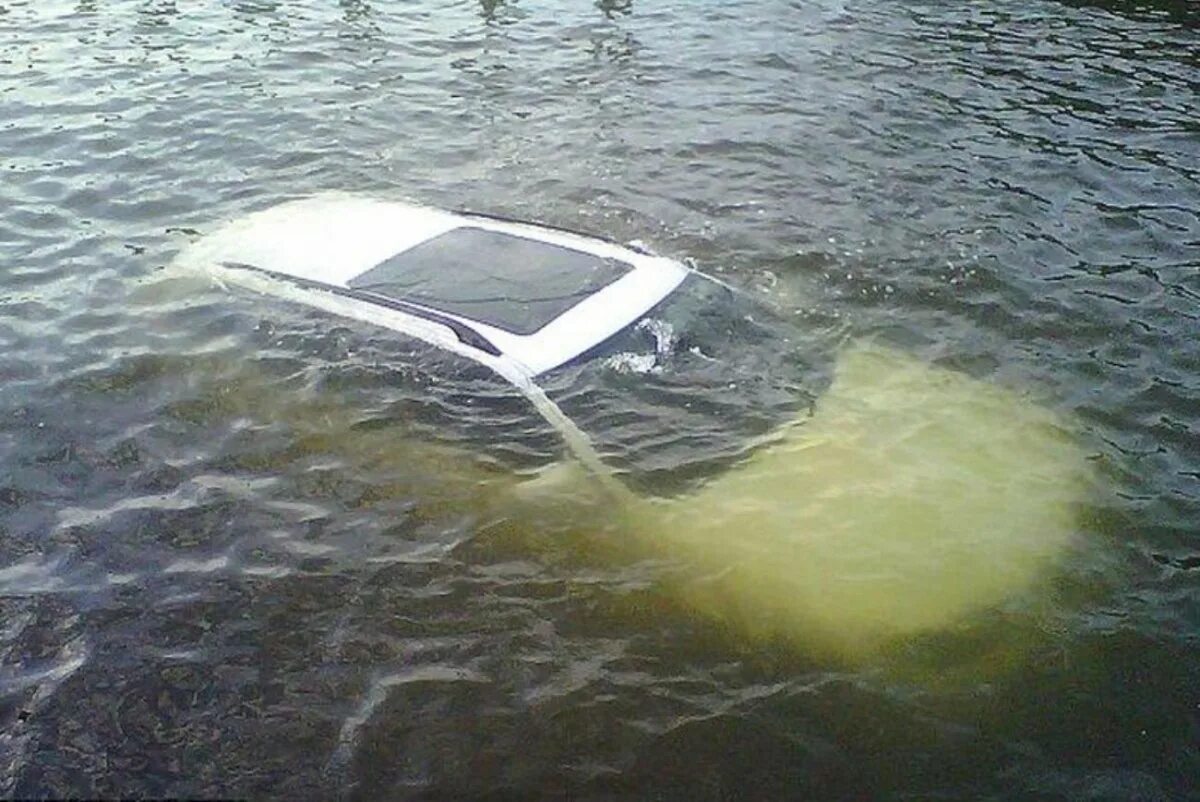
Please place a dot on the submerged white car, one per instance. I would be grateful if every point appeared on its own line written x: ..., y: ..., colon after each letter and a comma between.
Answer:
x: 827, y: 493
x: 565, y: 318
x: 515, y: 296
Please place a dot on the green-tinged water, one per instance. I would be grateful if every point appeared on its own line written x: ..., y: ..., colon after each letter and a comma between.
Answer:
x: 249, y: 550
x: 911, y: 499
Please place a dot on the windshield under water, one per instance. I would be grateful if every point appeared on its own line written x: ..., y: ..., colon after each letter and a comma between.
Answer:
x: 693, y: 385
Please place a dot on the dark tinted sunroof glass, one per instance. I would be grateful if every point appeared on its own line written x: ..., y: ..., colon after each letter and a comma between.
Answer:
x: 510, y: 282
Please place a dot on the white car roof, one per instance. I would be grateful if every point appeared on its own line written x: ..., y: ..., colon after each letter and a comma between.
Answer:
x: 324, y: 250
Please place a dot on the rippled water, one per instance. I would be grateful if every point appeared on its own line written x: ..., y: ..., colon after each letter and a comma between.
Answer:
x: 219, y: 576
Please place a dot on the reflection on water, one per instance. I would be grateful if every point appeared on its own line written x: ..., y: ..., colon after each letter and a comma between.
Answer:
x: 1179, y: 10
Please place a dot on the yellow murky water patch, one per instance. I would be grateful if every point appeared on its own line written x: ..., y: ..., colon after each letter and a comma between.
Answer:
x: 911, y: 497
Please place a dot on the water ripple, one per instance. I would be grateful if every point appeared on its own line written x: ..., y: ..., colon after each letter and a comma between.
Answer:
x: 224, y: 569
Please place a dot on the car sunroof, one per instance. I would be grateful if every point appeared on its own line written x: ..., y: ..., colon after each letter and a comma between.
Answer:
x: 511, y: 282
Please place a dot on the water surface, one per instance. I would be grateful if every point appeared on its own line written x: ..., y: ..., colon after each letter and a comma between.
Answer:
x: 222, y: 574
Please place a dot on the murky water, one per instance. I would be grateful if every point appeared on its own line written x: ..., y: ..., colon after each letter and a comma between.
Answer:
x: 231, y: 562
